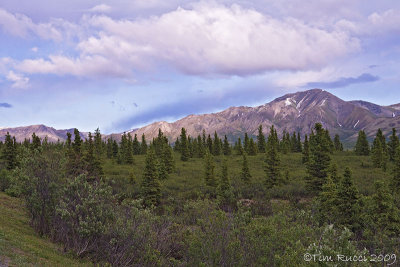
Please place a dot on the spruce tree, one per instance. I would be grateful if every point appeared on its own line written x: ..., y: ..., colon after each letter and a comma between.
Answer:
x: 306, y: 150
x: 245, y: 173
x: 76, y: 165
x: 210, y: 144
x: 252, y: 148
x: 328, y: 139
x: 115, y: 149
x: 226, y: 147
x: 338, y: 145
x: 184, y: 146
x: 272, y: 166
x: 36, y: 143
x: 143, y: 145
x: 77, y: 145
x: 68, y: 142
x: 136, y: 145
x: 201, y: 147
x: 92, y: 161
x: 162, y: 170
x: 225, y: 194
x: 98, y: 143
x: 299, y: 146
x: 239, y: 148
x: 151, y: 189
x: 246, y: 143
x: 273, y: 140
x: 379, y: 151
x: 167, y: 158
x: 318, y: 164
x: 261, y: 140
x: 216, y: 145
x: 382, y: 216
x: 393, y: 144
x: 209, y: 176
x: 177, y: 145
x: 362, y: 145
x: 348, y: 202
x: 9, y: 152
x: 328, y: 201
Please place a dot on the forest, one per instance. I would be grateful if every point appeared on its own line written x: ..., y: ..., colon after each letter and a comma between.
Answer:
x: 286, y: 200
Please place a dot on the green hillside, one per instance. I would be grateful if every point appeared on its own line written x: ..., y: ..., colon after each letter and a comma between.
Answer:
x: 20, y: 245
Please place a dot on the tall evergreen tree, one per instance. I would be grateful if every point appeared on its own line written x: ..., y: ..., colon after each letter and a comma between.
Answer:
x: 245, y: 173
x: 362, y: 145
x: 246, y: 143
x: 98, y: 143
x: 225, y: 194
x: 216, y: 145
x: 272, y: 166
x: 115, y: 149
x: 184, y: 146
x: 306, y: 150
x: 226, y: 147
x: 167, y: 158
x: 318, y: 165
x: 239, y: 148
x: 328, y: 202
x: 68, y: 141
x: 299, y: 146
x: 338, y: 145
x: 92, y: 161
x: 252, y: 147
x: 151, y: 189
x: 348, y: 202
x: 261, y: 140
x: 393, y: 144
x: 136, y: 145
x: 143, y: 145
x: 209, y: 167
x: 379, y: 151
x: 9, y: 152
x: 273, y: 140
x: 382, y: 218
x: 75, y: 165
x: 210, y: 144
x: 177, y: 145
x: 77, y: 144
x: 36, y: 143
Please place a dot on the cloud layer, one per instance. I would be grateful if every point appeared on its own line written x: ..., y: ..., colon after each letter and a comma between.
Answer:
x: 208, y: 39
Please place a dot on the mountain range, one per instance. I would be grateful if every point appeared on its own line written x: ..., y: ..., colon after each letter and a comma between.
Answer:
x: 291, y: 112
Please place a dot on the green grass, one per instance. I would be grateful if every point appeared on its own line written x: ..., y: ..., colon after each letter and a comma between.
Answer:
x: 188, y: 179
x: 21, y: 246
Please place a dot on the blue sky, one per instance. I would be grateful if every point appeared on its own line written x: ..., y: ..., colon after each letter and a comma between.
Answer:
x: 122, y: 64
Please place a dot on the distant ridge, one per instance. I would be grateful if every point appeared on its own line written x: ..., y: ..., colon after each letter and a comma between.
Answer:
x: 291, y: 112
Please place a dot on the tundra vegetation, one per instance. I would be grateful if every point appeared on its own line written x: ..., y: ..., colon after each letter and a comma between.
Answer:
x: 203, y: 201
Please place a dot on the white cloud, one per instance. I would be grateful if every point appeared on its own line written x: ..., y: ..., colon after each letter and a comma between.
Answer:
x: 85, y: 66
x: 377, y: 23
x: 19, y: 81
x: 34, y: 49
x: 22, y: 26
x: 208, y: 39
x: 102, y: 8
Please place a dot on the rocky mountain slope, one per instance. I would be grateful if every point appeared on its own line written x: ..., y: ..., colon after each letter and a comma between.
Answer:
x: 40, y: 130
x: 292, y: 112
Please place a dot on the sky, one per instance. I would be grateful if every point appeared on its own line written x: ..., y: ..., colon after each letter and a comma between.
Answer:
x: 123, y: 64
